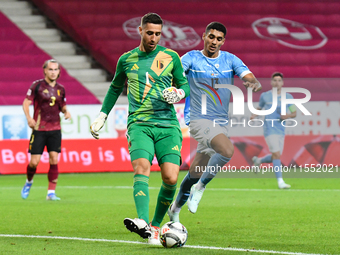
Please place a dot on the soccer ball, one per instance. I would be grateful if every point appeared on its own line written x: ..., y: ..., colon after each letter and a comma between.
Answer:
x: 173, y: 234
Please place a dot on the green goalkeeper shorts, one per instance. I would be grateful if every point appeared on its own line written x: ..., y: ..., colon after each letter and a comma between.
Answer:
x: 146, y: 140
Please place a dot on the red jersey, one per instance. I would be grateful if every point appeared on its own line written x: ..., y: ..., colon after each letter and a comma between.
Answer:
x: 48, y: 102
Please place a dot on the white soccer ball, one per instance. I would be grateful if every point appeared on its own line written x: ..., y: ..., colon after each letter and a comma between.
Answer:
x: 173, y: 234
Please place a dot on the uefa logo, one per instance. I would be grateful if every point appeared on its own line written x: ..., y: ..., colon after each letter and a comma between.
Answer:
x: 174, y: 36
x: 14, y: 127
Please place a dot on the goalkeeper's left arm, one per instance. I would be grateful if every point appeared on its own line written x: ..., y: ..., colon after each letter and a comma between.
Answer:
x: 110, y: 99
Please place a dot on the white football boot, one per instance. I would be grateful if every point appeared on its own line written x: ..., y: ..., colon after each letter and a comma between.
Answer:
x: 256, y: 162
x: 154, y: 238
x: 194, y: 198
x: 283, y: 185
x: 138, y: 226
x: 172, y: 215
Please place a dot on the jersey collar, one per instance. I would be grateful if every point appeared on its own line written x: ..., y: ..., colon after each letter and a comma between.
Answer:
x: 219, y: 54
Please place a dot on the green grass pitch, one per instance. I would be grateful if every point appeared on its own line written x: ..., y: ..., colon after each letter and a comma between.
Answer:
x: 235, y: 215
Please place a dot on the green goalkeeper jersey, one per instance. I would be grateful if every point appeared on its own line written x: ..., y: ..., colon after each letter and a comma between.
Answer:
x: 147, y: 74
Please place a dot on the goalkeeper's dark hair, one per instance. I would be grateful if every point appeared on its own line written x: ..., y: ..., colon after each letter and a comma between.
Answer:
x: 217, y: 26
x: 153, y: 18
x: 277, y: 74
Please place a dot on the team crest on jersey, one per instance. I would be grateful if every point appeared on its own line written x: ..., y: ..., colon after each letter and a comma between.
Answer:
x: 290, y: 33
x: 58, y: 92
x: 159, y: 64
x: 161, y: 61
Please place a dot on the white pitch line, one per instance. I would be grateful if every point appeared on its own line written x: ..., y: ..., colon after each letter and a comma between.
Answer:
x: 130, y: 187
x: 135, y: 242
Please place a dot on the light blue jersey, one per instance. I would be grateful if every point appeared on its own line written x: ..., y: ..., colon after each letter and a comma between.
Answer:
x: 203, y: 74
x: 272, y: 122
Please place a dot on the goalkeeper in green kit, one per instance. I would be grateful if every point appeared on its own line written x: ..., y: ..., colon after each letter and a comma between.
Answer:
x: 153, y: 128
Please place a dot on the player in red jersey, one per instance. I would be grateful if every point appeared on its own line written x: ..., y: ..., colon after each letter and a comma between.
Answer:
x: 49, y: 100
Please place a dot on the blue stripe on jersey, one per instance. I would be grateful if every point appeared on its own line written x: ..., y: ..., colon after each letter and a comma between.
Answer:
x: 203, y: 74
x: 272, y: 127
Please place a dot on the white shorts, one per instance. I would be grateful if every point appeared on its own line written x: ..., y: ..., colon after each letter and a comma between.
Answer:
x: 203, y: 131
x: 275, y: 143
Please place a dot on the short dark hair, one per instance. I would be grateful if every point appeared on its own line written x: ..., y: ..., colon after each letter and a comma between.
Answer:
x: 50, y: 61
x: 151, y: 17
x: 217, y: 26
x: 277, y: 74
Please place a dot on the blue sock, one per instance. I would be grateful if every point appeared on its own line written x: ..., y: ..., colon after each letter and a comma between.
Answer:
x: 216, y: 161
x: 184, y: 190
x: 277, y: 168
x: 266, y: 159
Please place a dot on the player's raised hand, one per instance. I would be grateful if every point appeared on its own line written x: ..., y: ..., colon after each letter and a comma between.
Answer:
x: 98, y: 124
x: 173, y: 95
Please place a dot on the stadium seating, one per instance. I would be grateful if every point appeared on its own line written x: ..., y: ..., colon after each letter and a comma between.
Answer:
x: 102, y: 27
x: 21, y: 64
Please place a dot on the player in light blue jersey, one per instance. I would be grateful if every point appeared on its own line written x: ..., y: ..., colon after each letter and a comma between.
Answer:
x: 274, y: 131
x: 206, y: 70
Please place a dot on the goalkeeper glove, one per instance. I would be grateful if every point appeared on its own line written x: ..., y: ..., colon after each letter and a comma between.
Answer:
x: 173, y: 95
x: 98, y: 124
